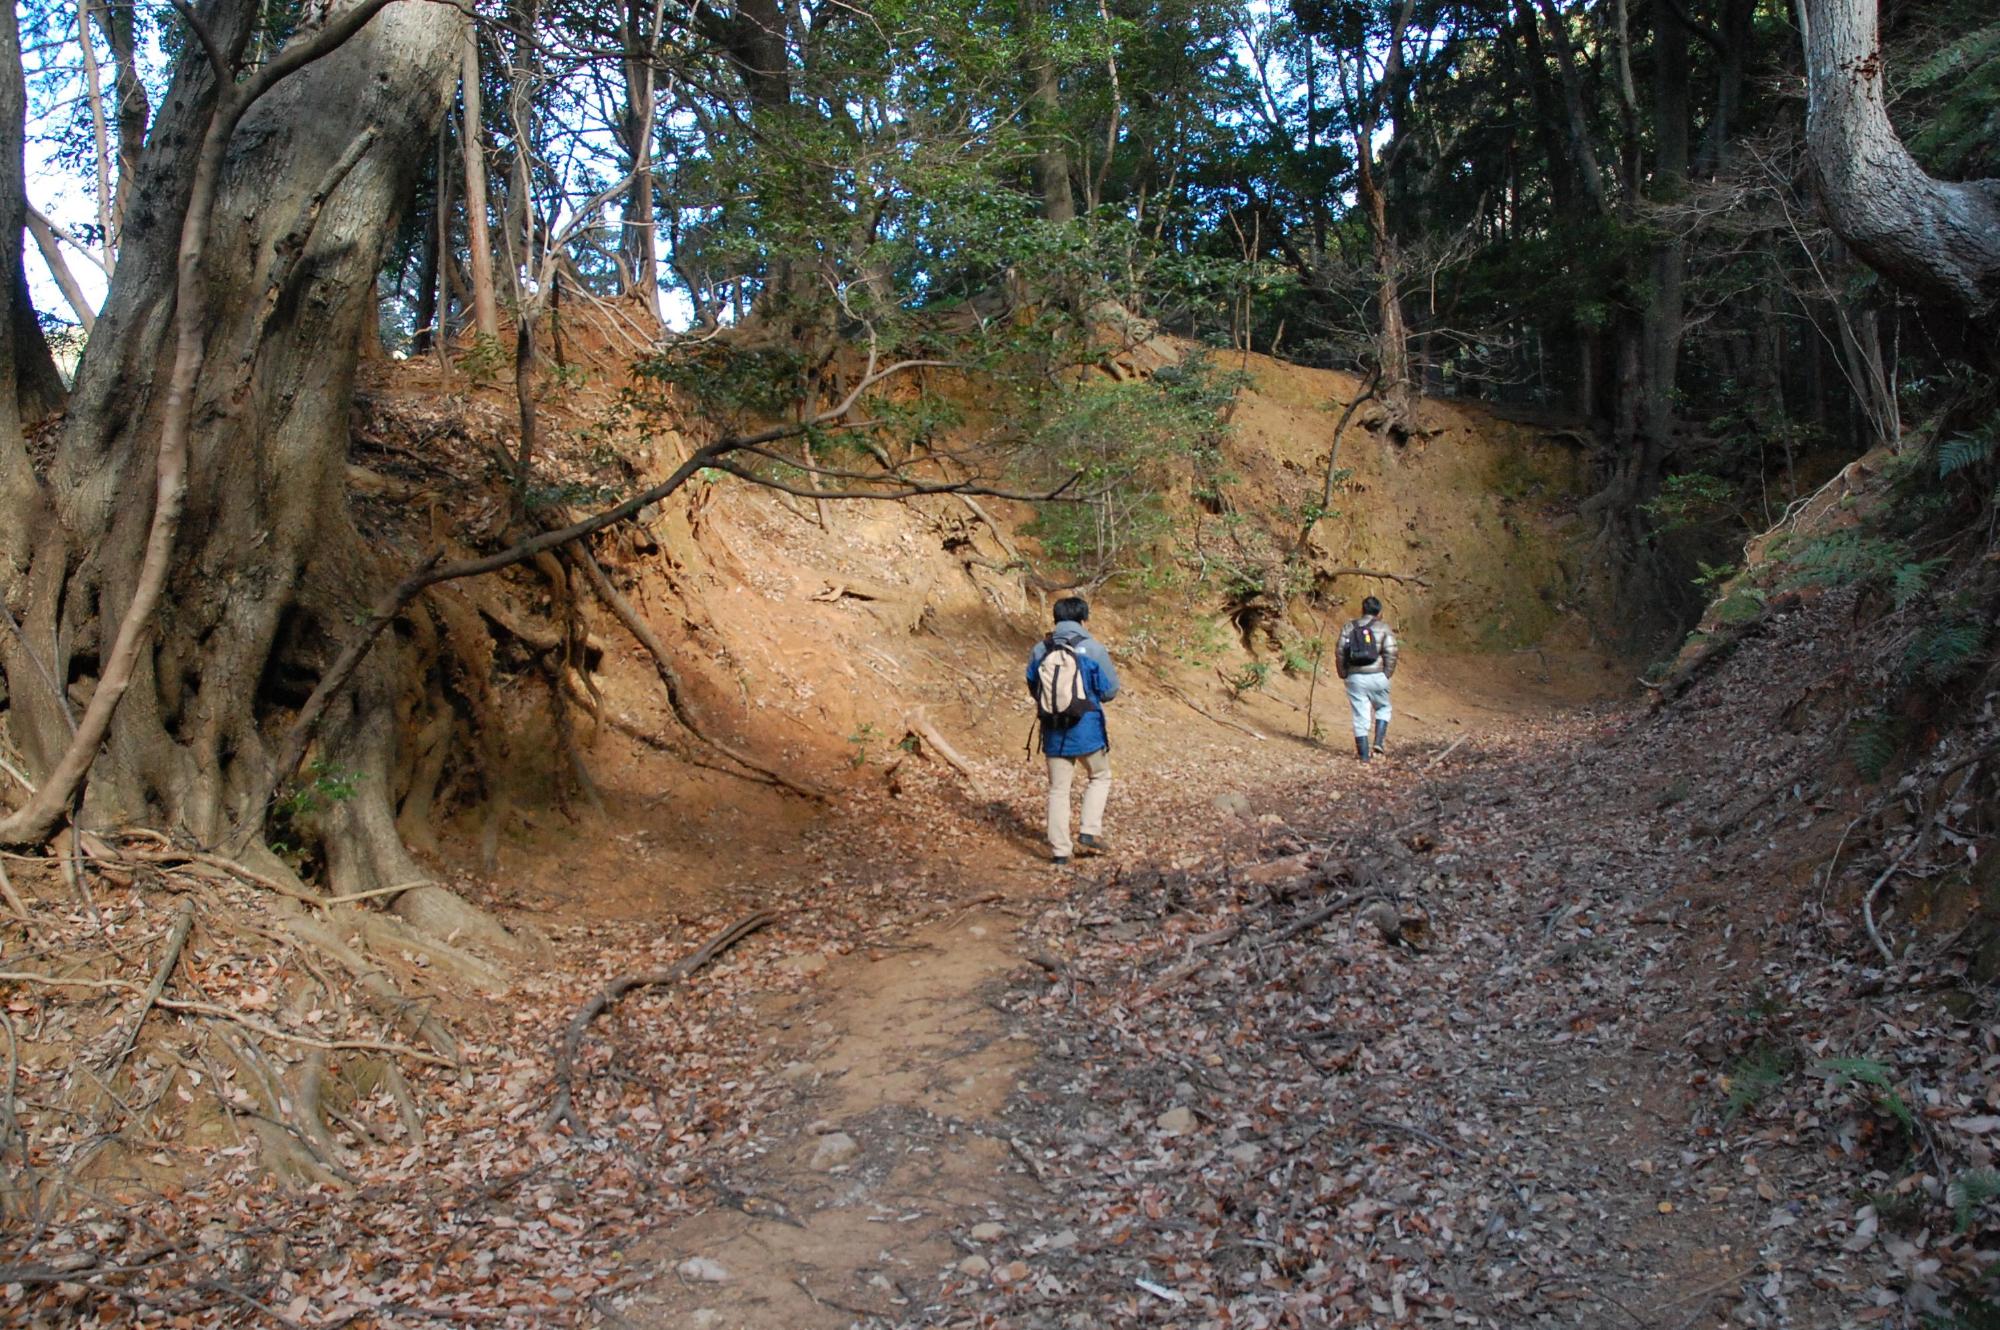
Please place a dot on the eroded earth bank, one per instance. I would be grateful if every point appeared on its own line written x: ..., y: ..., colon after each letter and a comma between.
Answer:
x: 1588, y: 1004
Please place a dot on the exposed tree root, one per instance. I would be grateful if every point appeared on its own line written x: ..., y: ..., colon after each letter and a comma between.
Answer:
x: 13, y: 899
x: 643, y: 633
x: 920, y: 725
x: 1219, y: 720
x: 1409, y: 579
x: 562, y: 1112
x: 224, y: 1014
x: 170, y: 956
x: 388, y: 1000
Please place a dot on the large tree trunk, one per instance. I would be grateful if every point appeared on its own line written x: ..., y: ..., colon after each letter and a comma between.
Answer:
x: 1939, y: 238
x: 269, y: 567
x: 25, y: 365
x: 639, y: 242
x: 1665, y: 319
x: 1051, y: 166
x: 1392, y: 333
x: 117, y: 22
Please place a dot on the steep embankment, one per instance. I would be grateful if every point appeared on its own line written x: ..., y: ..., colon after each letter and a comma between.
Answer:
x: 820, y: 637
x: 233, y: 1035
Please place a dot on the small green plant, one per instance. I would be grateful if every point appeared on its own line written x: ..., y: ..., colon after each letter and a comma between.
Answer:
x: 1741, y: 605
x: 551, y: 496
x: 1854, y: 558
x: 483, y: 360
x: 1943, y: 650
x: 1300, y: 656
x: 1713, y: 575
x: 745, y: 382
x: 1851, y: 1072
x: 323, y: 787
x: 864, y: 735
x: 1123, y: 441
x: 1874, y: 743
x: 1692, y: 498
x: 1970, y: 1190
x: 1248, y: 679
x: 567, y: 378
x: 1899, y: 1209
x: 1964, y: 452
x: 1754, y: 1076
x: 1197, y: 640
x: 1970, y: 1312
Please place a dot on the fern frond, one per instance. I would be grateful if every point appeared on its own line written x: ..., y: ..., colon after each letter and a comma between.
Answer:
x: 1909, y: 581
x: 1875, y: 1075
x: 1968, y: 52
x: 1964, y: 451
x: 1942, y: 651
x: 1970, y: 1190
x: 1873, y: 746
x: 1845, y: 558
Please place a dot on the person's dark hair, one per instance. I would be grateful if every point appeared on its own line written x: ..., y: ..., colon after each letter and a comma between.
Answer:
x: 1371, y: 606
x: 1072, y: 609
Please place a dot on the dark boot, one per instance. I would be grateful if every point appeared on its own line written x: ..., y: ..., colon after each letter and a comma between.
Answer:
x: 1381, y: 736
x: 1361, y: 746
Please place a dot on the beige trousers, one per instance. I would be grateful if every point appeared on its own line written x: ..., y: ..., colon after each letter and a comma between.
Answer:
x: 1096, y: 793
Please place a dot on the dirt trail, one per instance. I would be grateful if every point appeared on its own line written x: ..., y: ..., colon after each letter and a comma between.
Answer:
x: 890, y: 1162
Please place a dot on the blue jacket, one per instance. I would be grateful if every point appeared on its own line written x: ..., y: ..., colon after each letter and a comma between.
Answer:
x: 1100, y: 683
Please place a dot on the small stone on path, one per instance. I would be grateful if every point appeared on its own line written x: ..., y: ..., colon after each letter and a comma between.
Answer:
x: 1177, y: 1121
x: 703, y: 1270
x: 835, y: 1149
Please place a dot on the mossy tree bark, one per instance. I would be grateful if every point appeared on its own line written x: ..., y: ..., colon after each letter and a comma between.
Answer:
x: 268, y: 569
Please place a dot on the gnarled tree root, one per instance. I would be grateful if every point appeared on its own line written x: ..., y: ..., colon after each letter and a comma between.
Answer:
x: 381, y: 994
x: 563, y: 1110
x: 670, y: 678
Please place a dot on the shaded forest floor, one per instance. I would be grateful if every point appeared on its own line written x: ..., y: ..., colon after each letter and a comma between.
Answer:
x: 1563, y: 1014
x: 1616, y: 1066
x: 1593, y: 1079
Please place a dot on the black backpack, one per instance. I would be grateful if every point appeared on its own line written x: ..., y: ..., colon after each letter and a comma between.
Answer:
x: 1364, y: 644
x: 1062, y: 698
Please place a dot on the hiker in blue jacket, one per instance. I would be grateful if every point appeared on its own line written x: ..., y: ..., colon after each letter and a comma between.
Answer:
x: 1069, y: 698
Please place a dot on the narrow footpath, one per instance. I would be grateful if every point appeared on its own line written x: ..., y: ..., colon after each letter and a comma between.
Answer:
x: 1049, y: 1104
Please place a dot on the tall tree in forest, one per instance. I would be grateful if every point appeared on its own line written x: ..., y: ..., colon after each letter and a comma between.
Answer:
x: 639, y: 56
x: 29, y: 385
x: 205, y: 447
x: 472, y: 156
x: 1045, y: 111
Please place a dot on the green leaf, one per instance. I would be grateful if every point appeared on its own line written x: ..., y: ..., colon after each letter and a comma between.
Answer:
x: 1962, y: 452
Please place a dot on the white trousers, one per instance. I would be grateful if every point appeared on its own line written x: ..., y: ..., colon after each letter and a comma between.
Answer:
x: 1365, y: 693
x: 1096, y: 794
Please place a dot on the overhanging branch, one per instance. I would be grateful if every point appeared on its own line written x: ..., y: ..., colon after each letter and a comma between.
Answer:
x: 433, y: 570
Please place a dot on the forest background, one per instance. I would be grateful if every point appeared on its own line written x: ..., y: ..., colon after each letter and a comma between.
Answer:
x: 1714, y: 243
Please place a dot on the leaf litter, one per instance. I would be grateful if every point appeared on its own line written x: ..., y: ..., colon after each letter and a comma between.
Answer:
x: 1576, y: 1024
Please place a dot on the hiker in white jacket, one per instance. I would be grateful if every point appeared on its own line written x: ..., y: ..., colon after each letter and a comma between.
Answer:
x: 1366, y: 659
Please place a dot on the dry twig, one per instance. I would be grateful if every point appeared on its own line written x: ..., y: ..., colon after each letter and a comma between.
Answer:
x: 563, y: 1110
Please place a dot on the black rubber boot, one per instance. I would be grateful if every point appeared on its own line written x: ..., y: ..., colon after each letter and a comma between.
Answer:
x: 1381, y: 736
x: 1361, y: 746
